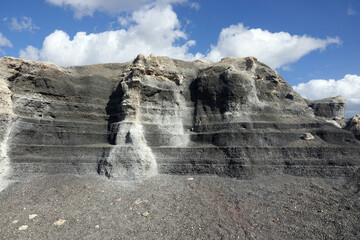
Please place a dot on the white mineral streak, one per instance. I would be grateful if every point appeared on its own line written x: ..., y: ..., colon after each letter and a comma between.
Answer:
x: 333, y: 122
x: 132, y: 157
x: 181, y: 111
x: 6, y: 117
x: 4, y: 159
x: 169, y: 121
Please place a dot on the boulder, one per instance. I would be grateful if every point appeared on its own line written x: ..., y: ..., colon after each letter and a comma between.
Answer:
x: 331, y: 108
x: 354, y: 125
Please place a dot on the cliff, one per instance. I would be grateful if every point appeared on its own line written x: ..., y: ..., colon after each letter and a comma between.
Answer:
x: 235, y: 118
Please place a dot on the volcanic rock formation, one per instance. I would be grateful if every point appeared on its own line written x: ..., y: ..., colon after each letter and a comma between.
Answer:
x: 354, y: 125
x: 155, y: 115
x: 329, y: 107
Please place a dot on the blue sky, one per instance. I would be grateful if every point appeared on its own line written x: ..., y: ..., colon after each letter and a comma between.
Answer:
x: 314, y: 45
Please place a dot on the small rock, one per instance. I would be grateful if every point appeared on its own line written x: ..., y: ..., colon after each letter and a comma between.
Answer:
x: 23, y: 227
x: 190, y: 179
x: 139, y: 201
x: 118, y: 199
x: 145, y: 214
x: 59, y: 222
x: 97, y: 226
x: 333, y: 122
x: 15, y: 221
x: 32, y: 216
x: 308, y: 136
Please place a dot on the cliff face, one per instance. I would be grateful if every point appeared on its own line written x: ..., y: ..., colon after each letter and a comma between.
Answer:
x: 155, y: 115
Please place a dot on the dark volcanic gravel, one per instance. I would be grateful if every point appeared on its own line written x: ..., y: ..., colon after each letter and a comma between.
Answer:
x: 181, y: 207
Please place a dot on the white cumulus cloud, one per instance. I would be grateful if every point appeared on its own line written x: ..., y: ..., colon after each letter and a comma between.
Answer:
x: 349, y: 87
x: 23, y: 24
x: 30, y: 53
x: 275, y: 49
x: 195, y: 5
x: 83, y: 8
x: 155, y: 29
x: 351, y: 12
x: 4, y: 42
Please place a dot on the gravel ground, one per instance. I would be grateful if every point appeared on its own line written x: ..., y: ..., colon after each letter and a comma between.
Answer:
x: 181, y: 207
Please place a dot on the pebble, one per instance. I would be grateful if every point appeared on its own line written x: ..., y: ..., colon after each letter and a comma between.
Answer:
x: 190, y: 179
x: 23, y: 227
x: 97, y: 226
x: 308, y: 136
x: 118, y: 200
x: 59, y: 222
x: 15, y: 221
x: 32, y: 216
x: 145, y: 214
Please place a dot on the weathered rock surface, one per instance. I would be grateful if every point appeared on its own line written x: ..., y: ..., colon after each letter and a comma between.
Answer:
x: 154, y: 115
x: 354, y: 125
x: 332, y: 108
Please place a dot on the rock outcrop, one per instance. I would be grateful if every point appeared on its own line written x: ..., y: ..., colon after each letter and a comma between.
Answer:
x: 155, y: 115
x: 354, y: 125
x: 6, y: 120
x: 331, y: 108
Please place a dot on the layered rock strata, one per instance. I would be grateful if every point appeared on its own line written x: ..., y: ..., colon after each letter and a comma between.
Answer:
x: 155, y: 115
x: 331, y: 108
